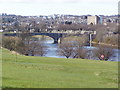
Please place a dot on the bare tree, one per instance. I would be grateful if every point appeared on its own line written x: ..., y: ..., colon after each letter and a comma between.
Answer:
x: 37, y: 48
x: 65, y: 49
x: 73, y: 47
x: 100, y: 33
x: 79, y: 51
x: 42, y: 26
x: 9, y: 42
x: 28, y: 46
x: 112, y: 39
x: 103, y: 52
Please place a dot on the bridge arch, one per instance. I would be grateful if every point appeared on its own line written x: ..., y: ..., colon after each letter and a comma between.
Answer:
x: 43, y: 37
x: 55, y: 36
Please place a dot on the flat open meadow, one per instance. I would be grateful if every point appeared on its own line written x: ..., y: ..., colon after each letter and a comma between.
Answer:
x: 43, y: 72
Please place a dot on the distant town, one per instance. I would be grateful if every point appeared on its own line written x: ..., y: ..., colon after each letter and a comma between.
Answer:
x: 53, y: 22
x: 102, y: 27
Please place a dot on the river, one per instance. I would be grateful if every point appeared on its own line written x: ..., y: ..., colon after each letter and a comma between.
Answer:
x: 53, y: 47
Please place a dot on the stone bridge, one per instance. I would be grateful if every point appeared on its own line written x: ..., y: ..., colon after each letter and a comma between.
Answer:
x: 55, y: 36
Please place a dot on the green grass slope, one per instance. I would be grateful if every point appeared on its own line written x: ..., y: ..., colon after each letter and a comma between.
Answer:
x: 43, y: 72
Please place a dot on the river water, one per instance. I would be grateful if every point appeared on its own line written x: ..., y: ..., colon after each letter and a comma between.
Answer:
x: 53, y: 47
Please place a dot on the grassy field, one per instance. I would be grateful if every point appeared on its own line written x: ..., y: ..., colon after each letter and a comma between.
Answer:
x: 43, y: 72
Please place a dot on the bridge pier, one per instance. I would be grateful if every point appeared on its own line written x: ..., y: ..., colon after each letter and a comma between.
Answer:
x: 59, y: 40
x: 55, y: 42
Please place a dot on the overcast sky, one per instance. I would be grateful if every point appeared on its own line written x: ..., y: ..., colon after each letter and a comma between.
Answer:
x: 49, y: 7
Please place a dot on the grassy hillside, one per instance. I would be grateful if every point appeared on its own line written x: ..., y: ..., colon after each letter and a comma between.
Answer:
x: 0, y: 69
x: 43, y: 72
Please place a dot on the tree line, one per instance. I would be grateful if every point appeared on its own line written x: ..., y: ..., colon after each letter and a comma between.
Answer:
x: 24, y: 44
x: 76, y: 49
x: 72, y: 47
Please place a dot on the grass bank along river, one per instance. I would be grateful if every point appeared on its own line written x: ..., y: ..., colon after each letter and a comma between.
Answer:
x: 44, y: 72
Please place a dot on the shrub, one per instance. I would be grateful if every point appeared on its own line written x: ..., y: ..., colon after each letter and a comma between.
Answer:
x: 10, y: 43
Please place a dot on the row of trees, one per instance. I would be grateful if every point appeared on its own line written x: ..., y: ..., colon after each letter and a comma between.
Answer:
x: 24, y: 44
x: 69, y: 47
x: 75, y: 49
x: 107, y: 34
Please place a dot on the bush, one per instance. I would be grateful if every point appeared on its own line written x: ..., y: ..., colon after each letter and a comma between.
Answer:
x: 103, y: 50
x: 25, y: 46
x: 10, y: 43
x: 95, y: 40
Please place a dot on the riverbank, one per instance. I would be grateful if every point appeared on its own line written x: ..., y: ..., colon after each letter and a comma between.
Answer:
x: 43, y: 72
x: 108, y: 45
